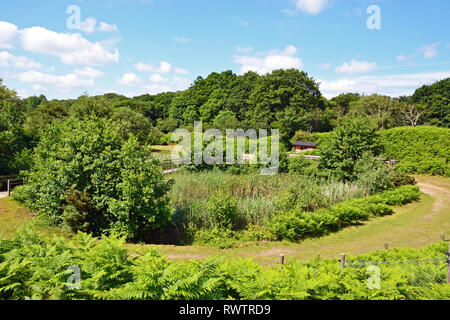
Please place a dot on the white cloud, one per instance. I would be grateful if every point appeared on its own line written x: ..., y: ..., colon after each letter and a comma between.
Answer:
x: 311, y: 6
x: 429, y: 51
x: 402, y: 58
x: 129, y: 79
x: 39, y: 88
x: 175, y: 84
x: 392, y: 85
x: 290, y: 50
x: 89, y: 73
x: 244, y: 49
x: 356, y: 66
x: 273, y: 60
x: 143, y: 67
x: 71, y: 48
x: 164, y: 67
x: 157, y: 78
x: 8, y: 32
x: 88, y: 25
x: 68, y: 81
x: 180, y: 71
x: 9, y: 60
x: 183, y: 40
x: 325, y: 66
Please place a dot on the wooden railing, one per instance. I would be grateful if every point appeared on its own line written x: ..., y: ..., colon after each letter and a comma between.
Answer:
x: 11, y: 181
x: 170, y: 166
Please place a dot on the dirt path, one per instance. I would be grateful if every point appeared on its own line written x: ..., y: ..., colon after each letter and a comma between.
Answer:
x: 415, y: 225
x: 3, y: 195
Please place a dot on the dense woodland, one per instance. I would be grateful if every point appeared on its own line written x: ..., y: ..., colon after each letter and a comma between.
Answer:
x: 289, y: 100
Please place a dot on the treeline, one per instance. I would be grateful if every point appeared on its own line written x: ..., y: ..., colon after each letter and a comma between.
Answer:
x: 288, y: 100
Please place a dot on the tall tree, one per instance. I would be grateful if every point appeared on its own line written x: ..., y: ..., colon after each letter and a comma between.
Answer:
x: 347, y: 144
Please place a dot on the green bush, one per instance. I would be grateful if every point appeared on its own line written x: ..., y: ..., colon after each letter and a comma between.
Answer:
x: 223, y: 207
x: 296, y: 225
x: 298, y: 165
x: 373, y: 174
x: 419, y: 149
x: 217, y: 237
x: 86, y: 177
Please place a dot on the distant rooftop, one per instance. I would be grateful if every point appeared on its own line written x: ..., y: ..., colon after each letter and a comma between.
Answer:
x: 305, y: 144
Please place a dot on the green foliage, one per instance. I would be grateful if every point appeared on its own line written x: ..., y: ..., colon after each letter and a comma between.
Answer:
x: 437, y: 99
x: 344, y: 102
x: 130, y: 122
x: 347, y: 144
x: 37, y: 119
x: 257, y: 197
x: 223, y: 207
x: 13, y: 139
x: 419, y: 150
x: 296, y: 224
x: 226, y: 120
x: 85, y: 176
x: 373, y: 174
x: 378, y: 108
x: 34, y: 267
x: 299, y: 165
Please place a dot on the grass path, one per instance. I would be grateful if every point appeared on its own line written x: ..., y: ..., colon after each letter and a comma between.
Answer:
x: 415, y: 225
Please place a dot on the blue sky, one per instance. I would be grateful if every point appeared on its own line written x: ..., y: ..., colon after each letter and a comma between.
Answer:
x: 133, y: 47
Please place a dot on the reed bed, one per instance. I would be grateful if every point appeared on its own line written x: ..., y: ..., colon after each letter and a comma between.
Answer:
x: 258, y: 197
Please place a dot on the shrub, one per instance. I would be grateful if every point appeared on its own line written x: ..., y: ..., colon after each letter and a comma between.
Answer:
x: 86, y: 177
x: 419, y: 149
x: 223, y: 207
x: 217, y: 237
x: 296, y: 225
x: 400, y: 179
x: 20, y: 194
x: 289, y: 226
x: 373, y: 174
x: 298, y: 165
x: 347, y: 145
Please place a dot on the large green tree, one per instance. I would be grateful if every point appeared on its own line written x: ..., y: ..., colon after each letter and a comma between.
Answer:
x: 86, y: 177
x: 347, y: 144
x: 437, y: 99
x: 12, y: 136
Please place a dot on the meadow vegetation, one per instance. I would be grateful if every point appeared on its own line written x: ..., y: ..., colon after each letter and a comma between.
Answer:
x: 35, y: 267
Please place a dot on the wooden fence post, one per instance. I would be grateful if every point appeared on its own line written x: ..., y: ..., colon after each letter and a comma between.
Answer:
x: 448, y: 263
x: 343, y: 260
x: 9, y: 187
x: 281, y: 259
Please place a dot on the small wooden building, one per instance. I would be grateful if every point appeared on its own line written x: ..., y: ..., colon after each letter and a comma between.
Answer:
x: 303, y: 146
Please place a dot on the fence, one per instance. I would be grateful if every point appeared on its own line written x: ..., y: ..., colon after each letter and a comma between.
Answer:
x: 10, y: 182
x: 420, y: 272
x: 170, y: 166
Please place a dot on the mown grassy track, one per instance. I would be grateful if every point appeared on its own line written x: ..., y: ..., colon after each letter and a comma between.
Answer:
x: 416, y: 225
